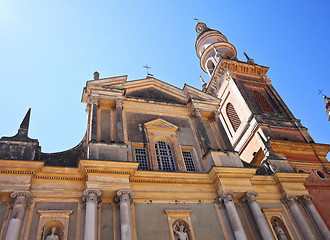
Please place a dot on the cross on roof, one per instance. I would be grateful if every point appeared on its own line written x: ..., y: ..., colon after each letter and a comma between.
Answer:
x: 148, y: 74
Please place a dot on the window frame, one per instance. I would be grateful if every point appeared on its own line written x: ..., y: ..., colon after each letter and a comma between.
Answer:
x: 140, y: 162
x: 161, y: 158
x: 191, y: 158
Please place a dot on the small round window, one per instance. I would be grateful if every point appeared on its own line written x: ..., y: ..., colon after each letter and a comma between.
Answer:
x: 320, y: 174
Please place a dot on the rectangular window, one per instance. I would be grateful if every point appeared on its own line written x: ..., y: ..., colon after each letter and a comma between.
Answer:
x: 189, y: 161
x: 142, y: 158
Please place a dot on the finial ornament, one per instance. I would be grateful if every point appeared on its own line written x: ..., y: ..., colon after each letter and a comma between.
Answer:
x: 249, y: 60
x: 327, y: 103
x: 96, y: 76
x: 200, y: 27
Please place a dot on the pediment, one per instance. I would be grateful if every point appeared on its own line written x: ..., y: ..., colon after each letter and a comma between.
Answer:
x: 154, y: 90
x: 155, y: 94
x: 196, y: 94
x: 161, y: 124
x: 117, y: 82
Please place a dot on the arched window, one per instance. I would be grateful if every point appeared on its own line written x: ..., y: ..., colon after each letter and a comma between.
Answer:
x: 233, y: 117
x: 165, y: 157
x: 263, y: 101
x: 210, y: 66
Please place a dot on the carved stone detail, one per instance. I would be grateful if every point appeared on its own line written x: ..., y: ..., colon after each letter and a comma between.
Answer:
x: 226, y: 196
x: 91, y: 195
x: 250, y: 196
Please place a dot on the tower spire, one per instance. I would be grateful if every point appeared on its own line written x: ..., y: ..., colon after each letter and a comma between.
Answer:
x: 211, y: 46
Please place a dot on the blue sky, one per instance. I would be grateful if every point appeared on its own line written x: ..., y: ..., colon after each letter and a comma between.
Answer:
x: 49, y: 49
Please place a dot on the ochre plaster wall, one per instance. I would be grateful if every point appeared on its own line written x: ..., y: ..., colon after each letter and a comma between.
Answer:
x: 152, y: 222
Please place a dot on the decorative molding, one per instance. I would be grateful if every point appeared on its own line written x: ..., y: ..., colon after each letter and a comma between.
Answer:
x: 17, y: 172
x: 59, y: 178
x: 243, y: 67
x: 161, y: 124
x: 55, y: 213
x: 169, y: 181
x: 107, y: 171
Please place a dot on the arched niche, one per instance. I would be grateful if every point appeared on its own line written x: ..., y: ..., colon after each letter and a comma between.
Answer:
x: 280, y: 229
x: 53, y: 218
x: 47, y: 229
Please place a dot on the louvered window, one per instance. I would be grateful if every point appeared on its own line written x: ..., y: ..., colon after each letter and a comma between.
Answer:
x: 233, y: 117
x: 263, y: 102
x: 165, y: 157
x: 142, y: 158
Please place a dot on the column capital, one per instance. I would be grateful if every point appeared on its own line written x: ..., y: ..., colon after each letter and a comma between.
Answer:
x: 306, y: 199
x: 212, y: 118
x: 197, y: 112
x: 119, y: 102
x: 124, y: 195
x: 24, y: 198
x: 91, y: 195
x: 226, y: 196
x: 289, y: 199
x: 94, y: 100
x: 250, y: 196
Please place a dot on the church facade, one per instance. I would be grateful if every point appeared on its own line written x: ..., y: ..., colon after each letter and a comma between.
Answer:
x: 229, y: 161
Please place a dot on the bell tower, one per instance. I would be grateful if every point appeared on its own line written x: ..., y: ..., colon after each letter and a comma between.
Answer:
x: 211, y: 47
x: 251, y: 111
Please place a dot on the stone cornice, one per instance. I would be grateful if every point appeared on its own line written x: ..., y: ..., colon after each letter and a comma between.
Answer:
x: 292, y: 183
x: 107, y: 167
x: 305, y: 149
x: 232, y: 67
x: 170, y: 177
x: 243, y: 67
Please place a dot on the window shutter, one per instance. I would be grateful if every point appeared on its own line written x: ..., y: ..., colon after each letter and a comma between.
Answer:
x: 233, y: 117
x: 263, y: 102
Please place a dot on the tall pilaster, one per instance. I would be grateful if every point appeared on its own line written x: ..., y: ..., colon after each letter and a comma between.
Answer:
x: 265, y: 231
x: 20, y: 202
x: 223, y: 137
x: 205, y: 141
x: 314, y: 214
x: 125, y: 198
x: 91, y: 199
x: 227, y: 198
x: 93, y: 119
x: 119, y: 124
x: 290, y: 202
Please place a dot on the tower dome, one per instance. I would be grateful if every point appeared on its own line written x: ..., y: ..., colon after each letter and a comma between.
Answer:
x: 211, y: 46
